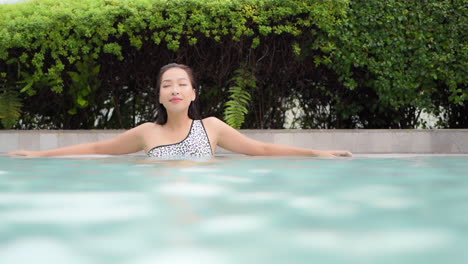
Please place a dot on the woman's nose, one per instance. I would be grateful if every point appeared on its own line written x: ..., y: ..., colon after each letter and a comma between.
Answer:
x: 175, y: 89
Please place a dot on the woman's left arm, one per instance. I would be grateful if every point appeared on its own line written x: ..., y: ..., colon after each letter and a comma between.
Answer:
x: 233, y: 140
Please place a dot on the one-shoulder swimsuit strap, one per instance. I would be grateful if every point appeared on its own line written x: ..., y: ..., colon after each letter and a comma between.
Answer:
x: 195, y: 145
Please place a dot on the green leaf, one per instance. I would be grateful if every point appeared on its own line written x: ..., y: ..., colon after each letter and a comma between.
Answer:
x: 72, y: 111
x: 82, y: 102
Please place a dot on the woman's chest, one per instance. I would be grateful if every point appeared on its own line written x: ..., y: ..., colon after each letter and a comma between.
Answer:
x: 160, y: 137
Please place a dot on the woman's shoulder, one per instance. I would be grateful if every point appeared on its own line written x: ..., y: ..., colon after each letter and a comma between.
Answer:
x: 212, y: 121
x: 147, y: 126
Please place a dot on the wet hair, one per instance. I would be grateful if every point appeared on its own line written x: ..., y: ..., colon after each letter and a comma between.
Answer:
x: 193, y: 113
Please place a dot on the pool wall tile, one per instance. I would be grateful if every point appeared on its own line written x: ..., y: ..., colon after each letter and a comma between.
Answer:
x: 65, y: 139
x: 288, y: 139
x: 29, y: 141
x: 106, y: 136
x: 460, y: 141
x: 344, y: 141
x: 444, y: 141
x: 9, y: 141
x: 315, y: 141
x: 48, y: 141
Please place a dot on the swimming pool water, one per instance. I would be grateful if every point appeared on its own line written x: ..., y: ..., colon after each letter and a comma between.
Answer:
x: 234, y: 210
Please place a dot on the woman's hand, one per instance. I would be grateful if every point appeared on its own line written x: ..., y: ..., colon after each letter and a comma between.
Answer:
x: 340, y: 153
x: 25, y: 153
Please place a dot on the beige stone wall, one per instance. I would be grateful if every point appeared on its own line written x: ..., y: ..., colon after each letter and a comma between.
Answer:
x: 357, y: 141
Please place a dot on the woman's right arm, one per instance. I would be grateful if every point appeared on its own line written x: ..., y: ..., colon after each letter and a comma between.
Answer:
x: 232, y: 140
x: 128, y: 142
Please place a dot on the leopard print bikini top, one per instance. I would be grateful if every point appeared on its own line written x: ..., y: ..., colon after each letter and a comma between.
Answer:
x: 195, y: 146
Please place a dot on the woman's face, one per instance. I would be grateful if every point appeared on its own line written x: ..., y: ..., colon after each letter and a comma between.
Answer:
x: 176, y: 91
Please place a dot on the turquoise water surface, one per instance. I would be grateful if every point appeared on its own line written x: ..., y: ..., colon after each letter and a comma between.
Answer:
x: 234, y: 210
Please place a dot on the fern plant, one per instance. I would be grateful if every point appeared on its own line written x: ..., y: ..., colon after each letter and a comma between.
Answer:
x: 239, y: 98
x: 10, y: 108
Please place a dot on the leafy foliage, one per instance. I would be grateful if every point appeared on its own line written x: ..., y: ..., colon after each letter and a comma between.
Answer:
x: 237, y: 106
x: 49, y: 39
x: 83, y: 82
x: 405, y: 52
x: 348, y: 63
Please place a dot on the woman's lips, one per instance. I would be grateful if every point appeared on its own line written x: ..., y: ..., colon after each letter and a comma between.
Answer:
x: 175, y: 100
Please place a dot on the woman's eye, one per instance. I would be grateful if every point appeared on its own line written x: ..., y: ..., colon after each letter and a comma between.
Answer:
x: 165, y: 86
x: 183, y: 84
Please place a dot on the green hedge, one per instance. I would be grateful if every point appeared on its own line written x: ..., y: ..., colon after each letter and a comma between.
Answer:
x: 77, y: 49
x: 373, y: 64
x: 412, y: 54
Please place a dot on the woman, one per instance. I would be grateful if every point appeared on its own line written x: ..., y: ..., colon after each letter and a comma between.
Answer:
x: 178, y: 131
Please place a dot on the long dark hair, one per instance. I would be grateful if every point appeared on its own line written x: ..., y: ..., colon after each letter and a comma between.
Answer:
x: 193, y: 113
